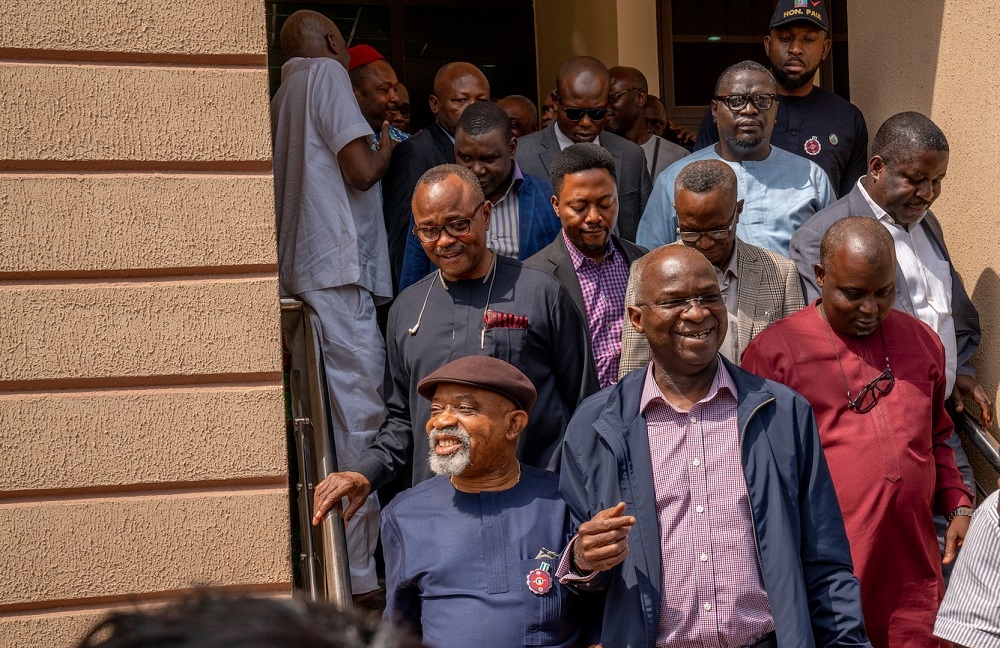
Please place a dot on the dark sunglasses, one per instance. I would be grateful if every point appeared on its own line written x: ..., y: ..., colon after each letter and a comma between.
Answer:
x: 576, y: 114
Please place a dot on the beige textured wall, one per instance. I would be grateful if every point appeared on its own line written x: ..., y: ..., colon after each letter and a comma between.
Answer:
x: 565, y: 28
x: 637, y: 40
x: 143, y: 448
x: 930, y: 57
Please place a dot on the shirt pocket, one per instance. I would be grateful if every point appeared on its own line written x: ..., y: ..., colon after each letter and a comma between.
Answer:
x: 506, y: 344
x: 543, y: 619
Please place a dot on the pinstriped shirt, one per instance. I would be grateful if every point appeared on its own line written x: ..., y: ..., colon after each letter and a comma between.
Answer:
x: 503, y: 234
x: 603, y: 288
x: 970, y: 612
x: 713, y: 593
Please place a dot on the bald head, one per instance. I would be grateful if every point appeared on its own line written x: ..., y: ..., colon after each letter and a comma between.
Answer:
x: 629, y: 75
x: 456, y: 86
x: 864, y: 237
x: 678, y: 259
x: 312, y: 35
x: 581, y: 99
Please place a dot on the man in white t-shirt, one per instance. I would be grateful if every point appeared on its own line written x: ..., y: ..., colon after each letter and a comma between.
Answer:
x: 332, y: 251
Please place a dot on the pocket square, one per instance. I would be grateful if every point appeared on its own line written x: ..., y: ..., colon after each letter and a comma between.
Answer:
x: 498, y: 319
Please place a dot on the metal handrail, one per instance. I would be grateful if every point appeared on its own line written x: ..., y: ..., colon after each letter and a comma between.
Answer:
x: 325, y: 570
x: 968, y: 426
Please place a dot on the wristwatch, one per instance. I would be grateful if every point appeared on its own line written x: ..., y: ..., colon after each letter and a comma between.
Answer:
x: 961, y: 510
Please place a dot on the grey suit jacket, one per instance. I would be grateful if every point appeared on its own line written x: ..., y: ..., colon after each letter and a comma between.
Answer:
x: 804, y: 250
x: 535, y: 153
x: 555, y: 260
x: 769, y: 289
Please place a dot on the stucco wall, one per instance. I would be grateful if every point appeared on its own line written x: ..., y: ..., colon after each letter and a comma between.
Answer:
x: 143, y: 449
x: 933, y: 57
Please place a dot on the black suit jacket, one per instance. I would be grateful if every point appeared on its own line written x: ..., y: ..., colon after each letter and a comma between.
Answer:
x: 410, y: 159
x: 535, y: 153
x: 554, y: 259
x: 804, y: 251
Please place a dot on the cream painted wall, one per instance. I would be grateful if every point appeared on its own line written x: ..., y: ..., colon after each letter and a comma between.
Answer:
x: 143, y: 447
x: 565, y: 28
x: 637, y: 40
x: 933, y: 60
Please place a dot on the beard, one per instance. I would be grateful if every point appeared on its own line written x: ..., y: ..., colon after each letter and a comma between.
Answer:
x: 790, y: 82
x: 455, y: 463
x: 745, y: 142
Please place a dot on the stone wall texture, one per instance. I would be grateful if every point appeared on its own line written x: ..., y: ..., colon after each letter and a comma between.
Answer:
x: 140, y: 392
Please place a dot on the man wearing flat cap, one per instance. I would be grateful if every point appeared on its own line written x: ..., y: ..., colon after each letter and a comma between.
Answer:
x: 811, y: 121
x: 470, y: 553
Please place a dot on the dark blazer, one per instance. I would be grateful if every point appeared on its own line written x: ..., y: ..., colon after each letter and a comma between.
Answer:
x: 805, y: 559
x: 556, y: 261
x: 535, y: 153
x: 537, y: 225
x: 410, y: 159
x: 804, y: 251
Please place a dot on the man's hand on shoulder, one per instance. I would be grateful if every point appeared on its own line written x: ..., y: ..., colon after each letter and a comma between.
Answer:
x: 354, y: 486
x: 602, y: 541
x: 966, y: 385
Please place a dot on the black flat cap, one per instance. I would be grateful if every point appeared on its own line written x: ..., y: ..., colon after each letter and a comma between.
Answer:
x: 487, y: 373
x: 791, y: 11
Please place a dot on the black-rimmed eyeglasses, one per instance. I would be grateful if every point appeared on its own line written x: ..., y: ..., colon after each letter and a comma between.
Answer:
x: 455, y: 228
x: 870, y: 393
x: 693, y: 236
x: 738, y: 102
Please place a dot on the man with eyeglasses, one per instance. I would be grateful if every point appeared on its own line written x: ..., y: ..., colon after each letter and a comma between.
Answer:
x: 702, y: 501
x: 476, y: 303
x: 758, y: 286
x: 876, y: 379
x: 629, y: 93
x: 582, y: 106
x: 780, y: 190
x: 811, y: 121
x: 401, y: 114
x: 521, y: 220
x: 457, y: 85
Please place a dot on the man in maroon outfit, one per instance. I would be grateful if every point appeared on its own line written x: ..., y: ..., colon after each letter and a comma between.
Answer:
x: 876, y: 380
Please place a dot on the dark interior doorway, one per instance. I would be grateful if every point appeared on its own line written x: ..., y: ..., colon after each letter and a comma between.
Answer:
x: 419, y: 36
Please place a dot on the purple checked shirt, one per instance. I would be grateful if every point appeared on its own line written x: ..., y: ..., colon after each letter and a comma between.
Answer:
x: 603, y: 288
x: 713, y: 594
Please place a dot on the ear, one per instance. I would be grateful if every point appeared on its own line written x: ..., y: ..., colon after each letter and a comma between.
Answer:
x: 432, y: 101
x: 826, y: 49
x: 487, y: 211
x: 767, y: 46
x: 739, y: 210
x: 820, y: 274
x: 640, y: 97
x: 876, y: 165
x: 513, y: 146
x: 635, y: 316
x: 517, y: 422
x: 715, y: 108
x: 555, y: 204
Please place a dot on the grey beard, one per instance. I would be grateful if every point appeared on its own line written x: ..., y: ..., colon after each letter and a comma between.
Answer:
x: 453, y: 464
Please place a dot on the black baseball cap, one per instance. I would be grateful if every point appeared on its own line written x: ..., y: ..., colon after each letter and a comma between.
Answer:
x: 791, y: 11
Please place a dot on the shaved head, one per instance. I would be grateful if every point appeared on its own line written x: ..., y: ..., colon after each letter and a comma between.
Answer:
x: 583, y: 68
x: 865, y: 237
x: 630, y: 75
x: 312, y: 35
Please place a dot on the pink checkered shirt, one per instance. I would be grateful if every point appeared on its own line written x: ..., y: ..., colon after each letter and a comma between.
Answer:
x: 713, y: 594
x: 603, y: 288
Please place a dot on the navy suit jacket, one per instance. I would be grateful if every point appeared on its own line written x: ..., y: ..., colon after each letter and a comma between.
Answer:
x: 535, y: 153
x: 537, y: 226
x: 804, y: 251
x: 410, y: 159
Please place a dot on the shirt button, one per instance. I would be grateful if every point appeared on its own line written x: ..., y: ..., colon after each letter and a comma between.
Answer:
x: 704, y: 558
x: 699, y: 508
x: 695, y: 463
x: 694, y: 420
x: 708, y: 606
x: 930, y: 298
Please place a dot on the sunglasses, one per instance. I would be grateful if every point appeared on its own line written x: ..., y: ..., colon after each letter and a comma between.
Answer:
x: 576, y: 114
